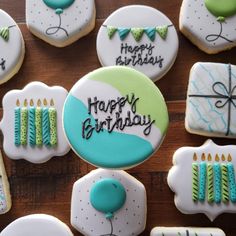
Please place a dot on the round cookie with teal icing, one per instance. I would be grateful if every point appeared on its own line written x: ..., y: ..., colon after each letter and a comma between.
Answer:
x: 108, y: 202
x: 60, y: 22
x: 115, y: 117
x: 148, y: 44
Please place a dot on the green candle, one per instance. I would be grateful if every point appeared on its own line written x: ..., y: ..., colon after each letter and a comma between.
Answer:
x: 24, y: 125
x: 53, y: 125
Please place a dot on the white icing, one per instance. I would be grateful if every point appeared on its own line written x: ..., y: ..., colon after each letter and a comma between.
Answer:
x: 78, y: 20
x: 106, y: 92
x: 37, y: 225
x: 196, y: 22
x: 13, y: 50
x: 109, y: 49
x: 180, y: 179
x: 35, y: 91
x: 172, y: 231
x: 129, y: 220
x: 202, y: 115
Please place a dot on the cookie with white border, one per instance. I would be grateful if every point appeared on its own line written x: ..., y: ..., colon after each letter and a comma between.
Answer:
x: 211, y: 100
x: 115, y: 117
x: 108, y: 202
x: 60, y: 23
x: 203, y: 179
x: 209, y: 24
x: 5, y: 195
x: 37, y: 225
x: 148, y: 44
x: 32, y: 123
x: 186, y: 231
x: 12, y: 47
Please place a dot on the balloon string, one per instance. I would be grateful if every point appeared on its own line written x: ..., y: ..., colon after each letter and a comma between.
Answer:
x: 110, y: 234
x: 214, y: 37
x: 54, y: 29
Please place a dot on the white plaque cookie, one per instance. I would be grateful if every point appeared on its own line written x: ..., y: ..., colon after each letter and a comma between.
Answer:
x: 148, y: 44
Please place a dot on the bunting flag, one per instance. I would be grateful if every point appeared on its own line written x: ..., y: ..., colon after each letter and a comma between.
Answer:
x: 4, y: 33
x: 137, y: 32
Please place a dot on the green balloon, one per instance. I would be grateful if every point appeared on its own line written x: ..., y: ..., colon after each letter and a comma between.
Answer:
x: 107, y: 196
x: 58, y: 5
x: 221, y: 8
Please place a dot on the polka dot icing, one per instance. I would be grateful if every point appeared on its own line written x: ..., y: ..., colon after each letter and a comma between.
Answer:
x: 115, y: 117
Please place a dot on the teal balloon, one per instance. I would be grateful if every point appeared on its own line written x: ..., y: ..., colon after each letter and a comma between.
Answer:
x: 107, y: 196
x: 58, y: 5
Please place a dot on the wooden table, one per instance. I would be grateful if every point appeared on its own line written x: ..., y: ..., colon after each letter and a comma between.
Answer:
x: 46, y: 188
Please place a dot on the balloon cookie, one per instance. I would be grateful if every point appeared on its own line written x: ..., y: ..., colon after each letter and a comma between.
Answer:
x: 115, y: 117
x: 60, y: 23
x: 12, y: 47
x: 148, y: 44
x: 108, y: 202
x: 32, y: 123
x: 211, y: 100
x: 209, y: 24
x: 203, y: 179
x: 37, y: 225
x: 5, y: 196
x: 186, y: 231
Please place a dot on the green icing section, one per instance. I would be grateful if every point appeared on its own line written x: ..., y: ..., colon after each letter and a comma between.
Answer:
x: 127, y: 81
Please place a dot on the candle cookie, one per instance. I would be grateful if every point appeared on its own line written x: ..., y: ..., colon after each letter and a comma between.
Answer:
x: 32, y: 123
x: 5, y: 195
x: 60, y: 23
x: 12, y: 47
x: 209, y: 24
x: 203, y: 179
x: 37, y: 225
x: 148, y: 44
x: 211, y: 100
x: 108, y: 202
x: 115, y: 117
x: 186, y: 231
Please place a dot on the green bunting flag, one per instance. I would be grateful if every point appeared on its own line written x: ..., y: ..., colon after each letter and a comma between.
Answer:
x: 4, y: 33
x: 137, y: 33
x: 111, y: 31
x: 162, y: 31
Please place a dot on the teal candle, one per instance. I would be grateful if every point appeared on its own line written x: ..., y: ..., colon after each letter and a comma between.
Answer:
x: 24, y: 125
x: 32, y: 136
x: 17, y: 126
x: 46, y: 127
x: 232, y: 184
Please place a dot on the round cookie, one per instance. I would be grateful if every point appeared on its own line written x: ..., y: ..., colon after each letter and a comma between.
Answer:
x: 148, y: 44
x: 115, y: 117
x: 12, y: 47
x: 37, y: 225
x: 32, y: 123
x: 60, y: 23
x: 209, y: 24
x: 108, y: 202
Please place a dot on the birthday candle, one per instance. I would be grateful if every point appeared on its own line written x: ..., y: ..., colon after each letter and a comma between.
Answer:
x: 32, y: 136
x: 195, y: 181
x: 210, y: 190
x: 24, y: 124
x: 38, y: 124
x: 46, y: 126
x: 232, y: 184
x: 202, y: 187
x: 217, y: 182
x: 224, y: 178
x: 53, y: 124
x: 17, y: 124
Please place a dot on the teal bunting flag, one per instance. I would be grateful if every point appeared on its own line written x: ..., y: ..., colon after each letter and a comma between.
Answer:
x: 151, y: 33
x: 123, y: 32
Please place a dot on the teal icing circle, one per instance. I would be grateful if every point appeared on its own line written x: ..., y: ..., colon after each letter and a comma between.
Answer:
x: 107, y: 196
x: 58, y: 5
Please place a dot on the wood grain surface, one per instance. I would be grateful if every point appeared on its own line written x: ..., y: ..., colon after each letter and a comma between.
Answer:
x: 46, y: 188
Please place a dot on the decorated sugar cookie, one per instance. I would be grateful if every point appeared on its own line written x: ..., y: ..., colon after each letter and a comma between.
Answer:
x: 209, y: 24
x: 211, y: 100
x: 148, y: 44
x: 108, y: 202
x: 186, y: 231
x: 203, y: 179
x: 115, y: 117
x: 60, y: 23
x: 37, y: 225
x: 12, y: 48
x: 32, y: 123
x: 5, y: 196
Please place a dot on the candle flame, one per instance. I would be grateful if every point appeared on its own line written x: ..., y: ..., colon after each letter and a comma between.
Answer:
x: 223, y: 157
x: 229, y: 158
x: 203, y: 157
x: 39, y: 103
x: 217, y: 158
x: 25, y: 103
x: 195, y: 156
x: 209, y: 157
x: 45, y: 103
x: 17, y: 102
x: 51, y: 102
x: 31, y: 102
